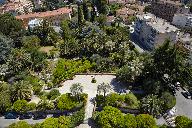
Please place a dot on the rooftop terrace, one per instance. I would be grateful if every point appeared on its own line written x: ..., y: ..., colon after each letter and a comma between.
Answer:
x: 157, y: 23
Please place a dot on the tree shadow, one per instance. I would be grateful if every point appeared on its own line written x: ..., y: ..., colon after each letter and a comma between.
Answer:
x: 92, y: 100
x: 91, y: 123
x: 118, y: 86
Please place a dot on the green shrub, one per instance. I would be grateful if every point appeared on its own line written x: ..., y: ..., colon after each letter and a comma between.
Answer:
x: 53, y: 94
x: 66, y: 69
x: 131, y: 101
x: 50, y: 123
x: 110, y: 117
x: 37, y: 89
x: 114, y: 100
x: 20, y: 124
x: 31, y: 106
x: 78, y: 117
x: 130, y: 121
x: 163, y: 126
x: 93, y: 80
x: 5, y: 102
x: 145, y: 121
x: 65, y: 122
x: 66, y: 102
x: 20, y: 106
x: 183, y: 122
x: 100, y: 100
x: 43, y: 95
x: 45, y: 105
x: 169, y: 101
x: 50, y: 85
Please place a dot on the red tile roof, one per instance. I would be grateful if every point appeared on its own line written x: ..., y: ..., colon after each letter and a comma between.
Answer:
x: 59, y: 11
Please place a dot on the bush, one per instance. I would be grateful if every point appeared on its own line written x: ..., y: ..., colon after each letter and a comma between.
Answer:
x: 169, y: 101
x: 50, y: 85
x: 45, y: 105
x: 66, y: 102
x: 99, y: 99
x: 20, y: 106
x: 31, y: 106
x: 65, y: 122
x: 43, y: 95
x: 53, y: 94
x: 183, y: 122
x: 20, y: 124
x: 131, y: 101
x: 50, y: 123
x: 93, y: 80
x: 78, y: 117
x: 130, y: 121
x: 145, y: 121
x: 114, y: 100
x: 37, y: 89
x: 34, y: 81
x: 83, y: 98
x: 66, y: 69
x: 110, y: 117
x: 5, y: 101
x: 163, y: 126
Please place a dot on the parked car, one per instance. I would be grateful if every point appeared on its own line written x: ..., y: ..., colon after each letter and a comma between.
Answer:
x: 186, y: 94
x: 25, y: 116
x: 11, y: 115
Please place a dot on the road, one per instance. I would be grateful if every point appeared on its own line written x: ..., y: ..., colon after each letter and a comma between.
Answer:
x: 6, y: 122
x: 183, y: 105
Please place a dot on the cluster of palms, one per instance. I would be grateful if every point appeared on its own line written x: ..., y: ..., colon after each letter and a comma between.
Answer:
x: 10, y: 93
x: 111, y: 43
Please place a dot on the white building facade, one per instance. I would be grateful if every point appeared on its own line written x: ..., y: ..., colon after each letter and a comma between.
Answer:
x: 152, y: 31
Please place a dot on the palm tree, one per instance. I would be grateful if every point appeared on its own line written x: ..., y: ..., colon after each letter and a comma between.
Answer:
x: 76, y: 90
x: 151, y: 105
x: 21, y: 90
x: 103, y: 87
x: 118, y: 20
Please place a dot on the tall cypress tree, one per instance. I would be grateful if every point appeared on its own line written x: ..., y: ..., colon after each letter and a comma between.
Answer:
x: 80, y: 16
x: 85, y: 10
x: 93, y: 14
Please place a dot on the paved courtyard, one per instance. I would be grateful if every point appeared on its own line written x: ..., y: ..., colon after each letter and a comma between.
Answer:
x: 90, y: 89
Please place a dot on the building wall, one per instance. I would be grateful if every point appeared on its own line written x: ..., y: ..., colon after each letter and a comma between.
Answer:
x: 149, y: 37
x: 54, y: 20
x: 164, y: 10
x: 161, y: 37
